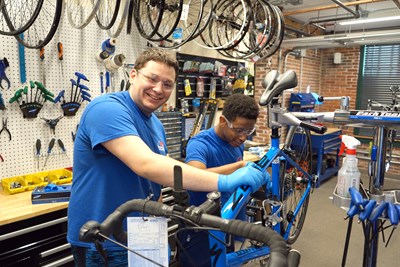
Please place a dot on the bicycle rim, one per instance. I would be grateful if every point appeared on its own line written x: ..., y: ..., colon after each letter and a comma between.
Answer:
x: 107, y: 13
x: 226, y: 28
x: 188, y: 22
x: 294, y: 184
x: 147, y: 16
x: 116, y: 29
x: 16, y: 17
x: 171, y: 16
x: 45, y: 26
x: 81, y: 12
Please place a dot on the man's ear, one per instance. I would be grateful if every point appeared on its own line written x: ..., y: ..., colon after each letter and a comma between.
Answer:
x: 132, y: 75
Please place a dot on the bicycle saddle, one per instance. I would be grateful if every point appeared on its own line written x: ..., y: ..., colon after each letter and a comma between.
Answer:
x: 275, y: 84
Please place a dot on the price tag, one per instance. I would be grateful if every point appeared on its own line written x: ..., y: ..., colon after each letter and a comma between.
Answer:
x: 148, y: 237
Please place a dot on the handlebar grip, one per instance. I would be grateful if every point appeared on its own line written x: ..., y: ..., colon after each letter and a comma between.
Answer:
x: 313, y: 127
x: 278, y: 248
x: 112, y: 225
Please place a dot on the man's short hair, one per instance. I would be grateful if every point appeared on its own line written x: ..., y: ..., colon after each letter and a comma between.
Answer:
x: 239, y: 105
x: 158, y: 55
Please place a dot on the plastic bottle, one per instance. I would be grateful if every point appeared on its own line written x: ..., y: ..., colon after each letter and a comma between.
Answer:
x: 349, y: 175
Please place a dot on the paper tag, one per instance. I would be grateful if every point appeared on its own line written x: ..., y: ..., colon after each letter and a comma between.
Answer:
x: 149, y: 238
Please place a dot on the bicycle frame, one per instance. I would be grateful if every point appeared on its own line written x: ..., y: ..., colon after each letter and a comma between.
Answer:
x: 219, y: 256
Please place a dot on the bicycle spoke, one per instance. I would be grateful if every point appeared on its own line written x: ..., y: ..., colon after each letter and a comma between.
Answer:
x: 170, y: 19
x: 188, y: 22
x: 107, y: 13
x: 44, y: 27
x: 116, y: 29
x: 81, y: 12
x: 294, y: 184
x: 148, y: 15
x: 17, y: 16
x: 227, y: 25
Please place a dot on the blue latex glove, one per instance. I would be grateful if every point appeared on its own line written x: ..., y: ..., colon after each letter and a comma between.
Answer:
x: 248, y: 175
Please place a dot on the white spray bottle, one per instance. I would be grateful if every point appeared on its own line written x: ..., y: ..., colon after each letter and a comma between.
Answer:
x: 349, y: 175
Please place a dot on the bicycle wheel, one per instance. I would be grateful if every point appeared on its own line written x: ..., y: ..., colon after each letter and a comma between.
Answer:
x: 45, y: 26
x: 171, y: 16
x: 148, y: 15
x: 293, y: 181
x: 122, y: 15
x: 227, y: 26
x: 81, y: 12
x: 188, y: 19
x: 15, y: 17
x: 107, y: 13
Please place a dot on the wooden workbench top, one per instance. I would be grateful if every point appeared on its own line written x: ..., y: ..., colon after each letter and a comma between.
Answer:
x: 19, y: 207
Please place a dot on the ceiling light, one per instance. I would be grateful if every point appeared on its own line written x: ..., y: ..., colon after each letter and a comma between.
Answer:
x: 362, y: 21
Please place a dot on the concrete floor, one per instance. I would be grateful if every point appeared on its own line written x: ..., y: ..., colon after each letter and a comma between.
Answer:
x: 321, y: 241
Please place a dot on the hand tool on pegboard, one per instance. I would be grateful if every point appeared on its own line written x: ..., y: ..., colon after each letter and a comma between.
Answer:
x: 74, y: 134
x: 41, y: 57
x: 3, y: 77
x: 2, y: 103
x: 60, y: 49
x: 49, y: 149
x: 52, y: 123
x: 38, y: 147
x: 80, y: 76
x: 62, y: 147
x: 5, y: 129
x: 21, y: 56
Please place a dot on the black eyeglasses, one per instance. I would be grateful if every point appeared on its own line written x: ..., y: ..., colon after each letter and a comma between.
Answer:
x: 239, y: 131
x: 154, y: 80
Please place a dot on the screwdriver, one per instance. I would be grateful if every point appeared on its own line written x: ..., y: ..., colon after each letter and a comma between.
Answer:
x: 41, y: 56
x: 51, y: 145
x: 61, y: 145
x: 60, y: 56
x: 38, y: 147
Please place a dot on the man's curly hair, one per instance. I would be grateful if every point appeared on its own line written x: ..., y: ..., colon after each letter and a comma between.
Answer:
x: 239, y: 105
x: 157, y: 55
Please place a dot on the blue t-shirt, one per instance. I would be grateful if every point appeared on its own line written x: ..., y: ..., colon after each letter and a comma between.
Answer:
x: 102, y: 182
x: 208, y: 148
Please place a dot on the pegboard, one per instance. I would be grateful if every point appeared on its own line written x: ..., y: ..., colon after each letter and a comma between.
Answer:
x: 80, y: 50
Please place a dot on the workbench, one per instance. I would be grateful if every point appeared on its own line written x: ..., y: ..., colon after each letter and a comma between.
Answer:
x: 32, y: 235
x: 322, y: 144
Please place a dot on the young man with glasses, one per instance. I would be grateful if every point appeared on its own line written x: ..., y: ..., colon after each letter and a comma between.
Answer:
x: 219, y: 149
x: 120, y: 154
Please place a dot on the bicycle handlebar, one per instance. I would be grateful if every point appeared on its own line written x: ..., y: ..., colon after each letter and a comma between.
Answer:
x: 112, y: 225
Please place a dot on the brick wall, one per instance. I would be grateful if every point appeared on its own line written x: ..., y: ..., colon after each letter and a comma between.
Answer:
x: 318, y: 71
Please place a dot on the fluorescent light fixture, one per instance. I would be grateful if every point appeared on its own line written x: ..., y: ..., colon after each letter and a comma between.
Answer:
x: 370, y: 20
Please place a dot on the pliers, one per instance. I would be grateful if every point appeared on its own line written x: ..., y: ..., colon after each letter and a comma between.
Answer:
x: 4, y: 128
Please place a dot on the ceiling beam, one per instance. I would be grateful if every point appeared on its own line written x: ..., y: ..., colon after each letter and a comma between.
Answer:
x: 330, y: 7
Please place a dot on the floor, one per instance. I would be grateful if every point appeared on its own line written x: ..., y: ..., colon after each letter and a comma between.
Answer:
x: 322, y: 239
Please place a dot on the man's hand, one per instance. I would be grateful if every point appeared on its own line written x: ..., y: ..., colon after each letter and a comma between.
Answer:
x: 248, y: 175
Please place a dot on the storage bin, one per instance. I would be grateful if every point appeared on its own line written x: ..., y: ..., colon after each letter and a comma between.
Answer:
x: 9, y: 184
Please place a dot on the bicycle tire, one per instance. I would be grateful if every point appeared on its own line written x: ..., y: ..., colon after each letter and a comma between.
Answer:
x: 148, y: 15
x: 293, y: 183
x: 189, y: 19
x: 75, y: 9
x: 208, y: 7
x: 14, y: 22
x: 256, y: 34
x: 271, y: 47
x: 43, y: 29
x: 122, y: 15
x: 104, y: 19
x: 224, y: 21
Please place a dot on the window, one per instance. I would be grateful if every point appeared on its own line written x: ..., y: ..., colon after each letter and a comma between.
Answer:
x: 379, y: 70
